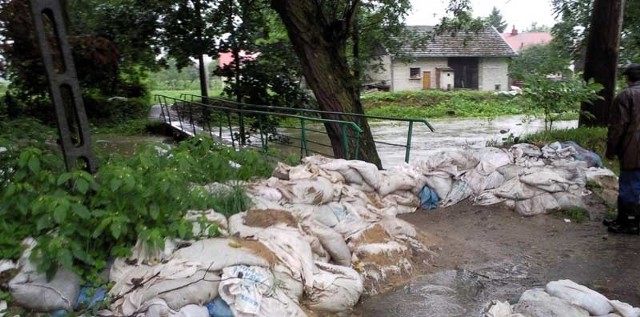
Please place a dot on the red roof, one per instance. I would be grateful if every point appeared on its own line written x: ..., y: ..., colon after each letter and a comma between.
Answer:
x: 226, y: 58
x: 519, y: 41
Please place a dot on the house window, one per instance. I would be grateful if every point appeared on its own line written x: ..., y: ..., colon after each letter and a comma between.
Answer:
x: 414, y: 73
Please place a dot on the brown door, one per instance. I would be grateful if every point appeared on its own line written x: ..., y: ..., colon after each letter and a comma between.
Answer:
x: 426, y: 80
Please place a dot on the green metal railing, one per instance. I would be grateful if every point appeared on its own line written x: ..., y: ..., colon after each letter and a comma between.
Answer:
x: 193, y: 118
x: 410, y: 121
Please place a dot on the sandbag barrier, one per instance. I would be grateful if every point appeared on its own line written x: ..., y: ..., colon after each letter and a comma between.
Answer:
x: 559, y: 299
x: 319, y: 235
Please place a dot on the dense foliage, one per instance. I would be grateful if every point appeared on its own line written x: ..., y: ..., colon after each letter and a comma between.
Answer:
x: 81, y: 220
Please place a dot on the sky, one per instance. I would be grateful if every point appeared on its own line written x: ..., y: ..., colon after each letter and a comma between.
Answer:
x: 520, y: 13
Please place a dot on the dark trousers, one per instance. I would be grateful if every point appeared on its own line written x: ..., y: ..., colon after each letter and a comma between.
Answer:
x: 629, y: 187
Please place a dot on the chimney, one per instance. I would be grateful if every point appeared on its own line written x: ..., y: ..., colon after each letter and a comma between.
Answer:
x: 514, y: 32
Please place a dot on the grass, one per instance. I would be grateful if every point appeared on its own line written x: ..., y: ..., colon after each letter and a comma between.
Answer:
x: 577, y: 215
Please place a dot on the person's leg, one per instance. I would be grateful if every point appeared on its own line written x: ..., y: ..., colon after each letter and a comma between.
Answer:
x: 628, y: 203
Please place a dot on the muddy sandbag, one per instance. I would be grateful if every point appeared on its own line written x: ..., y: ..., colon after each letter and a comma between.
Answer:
x: 536, y: 205
x: 333, y: 242
x: 487, y: 198
x: 497, y: 308
x: 313, y: 191
x: 281, y: 171
x: 537, y: 303
x: 581, y: 296
x: 217, y: 253
x: 510, y: 171
x: 336, y: 289
x: 396, y: 227
x: 603, y: 177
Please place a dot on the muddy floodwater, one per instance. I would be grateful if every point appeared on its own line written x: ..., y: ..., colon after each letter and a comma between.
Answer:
x: 391, y: 137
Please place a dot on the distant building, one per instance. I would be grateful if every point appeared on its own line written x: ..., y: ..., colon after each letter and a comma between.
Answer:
x: 519, y: 41
x: 474, y: 60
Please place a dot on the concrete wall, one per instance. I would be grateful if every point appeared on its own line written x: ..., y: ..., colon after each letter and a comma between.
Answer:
x: 401, y: 77
x: 379, y: 73
x: 493, y: 71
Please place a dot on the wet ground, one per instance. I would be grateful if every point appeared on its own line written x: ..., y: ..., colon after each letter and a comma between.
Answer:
x: 491, y: 253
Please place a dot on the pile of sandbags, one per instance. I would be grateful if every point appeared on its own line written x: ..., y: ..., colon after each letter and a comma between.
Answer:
x: 526, y: 178
x: 560, y: 299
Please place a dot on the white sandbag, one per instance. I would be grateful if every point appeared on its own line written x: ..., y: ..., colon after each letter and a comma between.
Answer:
x: 568, y: 201
x: 210, y: 219
x: 354, y: 172
x: 510, y: 171
x: 325, y: 214
x: 556, y: 151
x: 193, y: 311
x: 335, y: 289
x: 513, y: 189
x: 459, y: 192
x: 624, y: 309
x: 537, y: 303
x: 291, y: 287
x: 199, y: 288
x: 546, y: 180
x: 524, y: 150
x: 31, y: 289
x: 265, y: 192
x: 490, y: 158
x: 479, y: 182
x: 603, y: 177
x: 333, y: 242
x: 313, y: 191
x: 579, y: 295
x: 250, y: 291
x: 404, y: 198
x: 300, y: 172
x: 540, y: 204
x: 398, y: 228
x: 242, y: 287
x: 498, y: 309
x: 403, y: 177
x: 281, y: 171
x: 487, y: 198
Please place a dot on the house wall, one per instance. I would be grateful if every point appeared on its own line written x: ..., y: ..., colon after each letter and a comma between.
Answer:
x: 381, y: 72
x: 493, y: 71
x: 401, y: 76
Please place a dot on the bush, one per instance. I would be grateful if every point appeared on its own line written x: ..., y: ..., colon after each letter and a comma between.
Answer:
x: 80, y: 220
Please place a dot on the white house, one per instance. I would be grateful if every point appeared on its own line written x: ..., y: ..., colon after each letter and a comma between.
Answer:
x: 472, y: 60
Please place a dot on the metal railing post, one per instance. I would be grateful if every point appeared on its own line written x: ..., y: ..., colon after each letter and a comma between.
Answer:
x: 303, y: 140
x: 408, y: 148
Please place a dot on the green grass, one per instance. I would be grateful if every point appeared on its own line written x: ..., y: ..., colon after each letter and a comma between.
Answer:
x: 577, y: 215
x: 440, y: 104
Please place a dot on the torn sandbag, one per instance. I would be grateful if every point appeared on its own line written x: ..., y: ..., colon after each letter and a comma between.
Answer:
x: 335, y: 289
x: 581, y: 296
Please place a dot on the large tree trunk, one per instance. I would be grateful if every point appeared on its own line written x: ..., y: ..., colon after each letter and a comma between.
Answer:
x: 320, y: 44
x: 601, y: 60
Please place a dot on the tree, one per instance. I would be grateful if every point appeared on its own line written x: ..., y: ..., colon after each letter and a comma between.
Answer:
x: 601, y: 58
x: 534, y: 27
x: 539, y: 60
x: 319, y: 32
x: 496, y: 20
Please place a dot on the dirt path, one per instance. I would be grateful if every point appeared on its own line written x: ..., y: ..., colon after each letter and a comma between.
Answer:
x: 505, y: 254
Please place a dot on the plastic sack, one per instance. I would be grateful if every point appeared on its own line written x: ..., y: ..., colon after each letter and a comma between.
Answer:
x: 581, y: 296
x: 428, y: 198
x: 219, y: 308
x: 459, y: 192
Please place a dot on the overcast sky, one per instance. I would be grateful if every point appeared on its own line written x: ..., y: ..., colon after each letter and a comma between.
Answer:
x: 520, y: 13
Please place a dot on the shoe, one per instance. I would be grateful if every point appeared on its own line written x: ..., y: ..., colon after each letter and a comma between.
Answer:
x: 625, y: 229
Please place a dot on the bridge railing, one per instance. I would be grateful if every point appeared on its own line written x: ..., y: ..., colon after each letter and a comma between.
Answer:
x: 330, y: 114
x: 223, y: 123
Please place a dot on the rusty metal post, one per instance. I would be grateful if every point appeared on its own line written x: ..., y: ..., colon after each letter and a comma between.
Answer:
x: 71, y: 117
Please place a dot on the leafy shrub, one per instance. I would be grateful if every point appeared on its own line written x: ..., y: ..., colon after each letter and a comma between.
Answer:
x: 80, y: 220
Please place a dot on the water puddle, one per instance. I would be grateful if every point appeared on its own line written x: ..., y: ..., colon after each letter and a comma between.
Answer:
x: 451, y: 293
